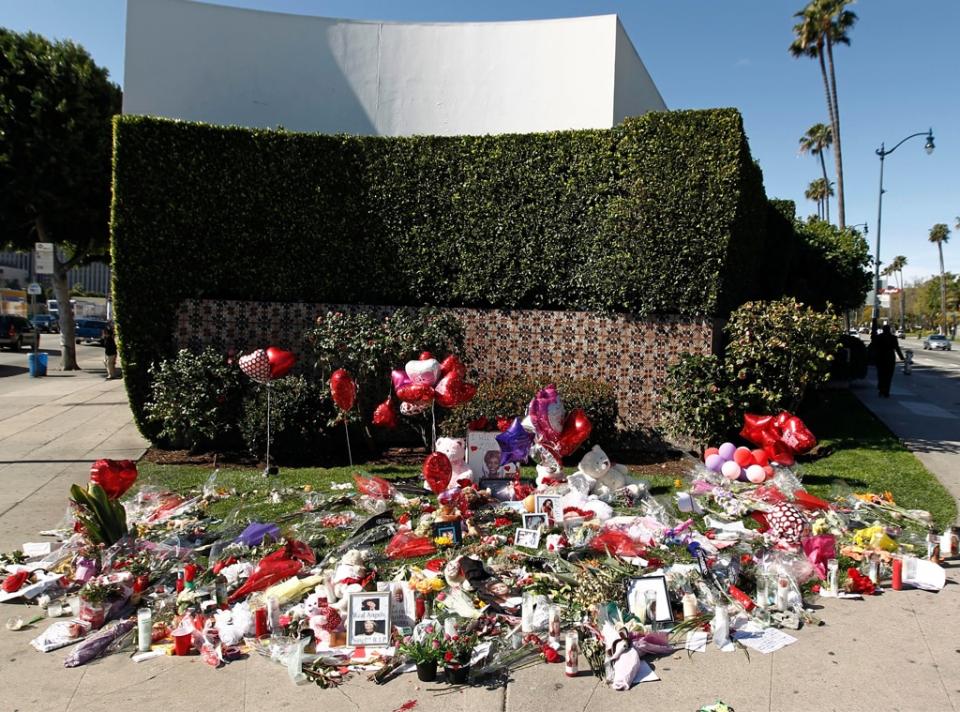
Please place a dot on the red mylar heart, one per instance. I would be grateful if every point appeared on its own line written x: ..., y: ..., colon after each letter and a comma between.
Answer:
x: 385, y: 414
x: 280, y: 361
x: 576, y: 429
x: 343, y: 389
x: 417, y: 393
x: 452, y: 364
x: 115, y: 476
x: 452, y: 390
x: 437, y: 471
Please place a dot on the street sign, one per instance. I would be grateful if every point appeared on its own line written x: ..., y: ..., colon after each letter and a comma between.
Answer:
x: 44, y: 258
x: 35, y: 289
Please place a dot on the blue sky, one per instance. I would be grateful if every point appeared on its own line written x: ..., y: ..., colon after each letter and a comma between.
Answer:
x: 899, y: 76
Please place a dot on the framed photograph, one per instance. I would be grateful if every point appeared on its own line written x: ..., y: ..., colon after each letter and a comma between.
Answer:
x: 527, y: 538
x: 454, y: 530
x: 483, y: 456
x: 649, y: 599
x: 368, y: 618
x: 502, y: 490
x: 548, y: 504
x: 535, y: 521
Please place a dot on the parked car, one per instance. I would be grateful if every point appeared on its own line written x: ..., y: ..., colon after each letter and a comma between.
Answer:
x: 899, y: 333
x: 864, y: 329
x: 17, y: 332
x: 46, y: 323
x: 936, y: 342
x: 90, y: 330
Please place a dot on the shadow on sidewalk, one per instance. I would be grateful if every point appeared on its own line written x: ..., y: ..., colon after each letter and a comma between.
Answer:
x: 6, y: 371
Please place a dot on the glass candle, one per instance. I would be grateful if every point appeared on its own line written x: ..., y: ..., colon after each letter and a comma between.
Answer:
x: 833, y: 576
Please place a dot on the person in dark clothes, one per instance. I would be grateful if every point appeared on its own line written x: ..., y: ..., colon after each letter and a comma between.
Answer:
x: 885, y: 349
x: 110, y: 353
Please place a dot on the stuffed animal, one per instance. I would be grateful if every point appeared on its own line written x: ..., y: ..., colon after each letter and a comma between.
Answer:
x: 347, y: 578
x: 596, y: 474
x: 323, y: 618
x: 455, y: 450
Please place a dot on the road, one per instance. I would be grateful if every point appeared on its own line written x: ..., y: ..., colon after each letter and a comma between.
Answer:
x: 89, y: 357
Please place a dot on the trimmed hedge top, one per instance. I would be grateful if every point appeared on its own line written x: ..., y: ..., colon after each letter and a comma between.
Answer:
x: 643, y: 218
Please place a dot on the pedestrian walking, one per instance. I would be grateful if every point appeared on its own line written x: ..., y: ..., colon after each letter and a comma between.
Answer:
x: 110, y: 353
x: 885, y: 349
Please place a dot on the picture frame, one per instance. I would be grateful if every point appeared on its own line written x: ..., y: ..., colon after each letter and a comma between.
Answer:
x: 483, y: 456
x: 452, y: 529
x: 368, y: 619
x: 537, y: 520
x: 502, y: 489
x: 548, y: 504
x: 660, y: 610
x: 527, y: 538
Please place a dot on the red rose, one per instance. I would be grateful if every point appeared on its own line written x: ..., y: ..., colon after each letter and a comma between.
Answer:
x: 502, y: 522
x: 746, y: 559
x: 551, y: 655
x: 448, y: 656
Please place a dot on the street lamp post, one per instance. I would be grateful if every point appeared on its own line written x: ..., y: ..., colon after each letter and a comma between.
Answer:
x: 883, y: 153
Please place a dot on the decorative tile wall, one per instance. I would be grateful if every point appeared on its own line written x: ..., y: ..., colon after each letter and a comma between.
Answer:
x: 631, y: 354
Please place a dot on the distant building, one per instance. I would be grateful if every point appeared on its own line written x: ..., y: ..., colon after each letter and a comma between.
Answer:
x: 95, y: 277
x: 225, y: 65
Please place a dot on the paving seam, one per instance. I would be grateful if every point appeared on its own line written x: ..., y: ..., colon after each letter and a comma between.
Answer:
x: 936, y: 665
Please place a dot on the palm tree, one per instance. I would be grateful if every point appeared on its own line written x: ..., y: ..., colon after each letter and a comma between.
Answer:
x: 823, y: 24
x: 815, y: 141
x: 940, y: 234
x: 895, y: 269
x: 819, y: 191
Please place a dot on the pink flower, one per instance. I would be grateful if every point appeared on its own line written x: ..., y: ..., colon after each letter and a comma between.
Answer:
x: 407, y: 640
x: 428, y: 630
x: 435, y: 644
x: 441, y: 596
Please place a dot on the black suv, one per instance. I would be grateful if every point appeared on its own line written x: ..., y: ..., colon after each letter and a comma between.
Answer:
x: 17, y: 332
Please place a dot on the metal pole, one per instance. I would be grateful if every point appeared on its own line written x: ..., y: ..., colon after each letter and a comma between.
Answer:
x: 876, y: 258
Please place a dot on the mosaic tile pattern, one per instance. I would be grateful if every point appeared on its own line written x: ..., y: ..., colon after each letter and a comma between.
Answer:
x: 631, y: 354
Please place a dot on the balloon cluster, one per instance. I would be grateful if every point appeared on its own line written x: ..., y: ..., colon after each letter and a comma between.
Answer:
x: 422, y: 383
x: 738, y: 463
x: 547, y: 432
x: 265, y: 365
x: 782, y: 436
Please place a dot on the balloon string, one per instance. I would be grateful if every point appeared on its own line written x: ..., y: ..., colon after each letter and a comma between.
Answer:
x: 347, y: 431
x: 268, y: 425
x: 433, y: 427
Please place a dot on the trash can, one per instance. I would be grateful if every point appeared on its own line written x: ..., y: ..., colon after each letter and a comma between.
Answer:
x: 907, y: 362
x: 37, y: 363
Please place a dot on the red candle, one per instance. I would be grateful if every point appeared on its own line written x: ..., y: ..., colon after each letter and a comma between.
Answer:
x: 897, y: 582
x: 260, y: 622
x: 742, y: 598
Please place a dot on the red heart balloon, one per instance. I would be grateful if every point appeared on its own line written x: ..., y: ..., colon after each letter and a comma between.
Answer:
x: 256, y: 365
x: 576, y: 429
x: 437, y: 471
x: 343, y: 389
x: 281, y: 361
x: 417, y: 393
x: 115, y: 476
x: 452, y: 390
x: 795, y: 435
x: 452, y: 364
x: 425, y: 356
x: 385, y: 415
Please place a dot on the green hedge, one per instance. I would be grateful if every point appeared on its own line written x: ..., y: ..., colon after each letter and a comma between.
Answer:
x: 663, y: 214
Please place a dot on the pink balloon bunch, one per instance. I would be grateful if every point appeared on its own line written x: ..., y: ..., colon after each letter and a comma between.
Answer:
x: 738, y: 463
x: 557, y: 432
x: 426, y: 380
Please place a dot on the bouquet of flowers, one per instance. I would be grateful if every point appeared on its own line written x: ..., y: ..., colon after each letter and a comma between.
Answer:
x: 429, y: 648
x: 458, y: 649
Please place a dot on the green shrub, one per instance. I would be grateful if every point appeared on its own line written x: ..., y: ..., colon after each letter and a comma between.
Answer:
x: 509, y: 398
x: 698, y: 402
x: 195, y: 400
x: 662, y: 214
x: 300, y: 411
x: 369, y: 347
x: 777, y: 351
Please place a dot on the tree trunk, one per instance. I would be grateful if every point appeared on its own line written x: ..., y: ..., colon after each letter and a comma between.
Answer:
x: 837, y: 150
x: 943, y: 292
x: 68, y: 346
x: 826, y: 198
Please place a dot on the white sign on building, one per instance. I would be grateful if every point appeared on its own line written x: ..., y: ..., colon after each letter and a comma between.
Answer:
x: 44, y: 258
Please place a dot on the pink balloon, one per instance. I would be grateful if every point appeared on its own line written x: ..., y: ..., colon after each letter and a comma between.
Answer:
x: 730, y: 470
x: 756, y: 474
x: 727, y: 451
x: 714, y: 462
x: 399, y: 379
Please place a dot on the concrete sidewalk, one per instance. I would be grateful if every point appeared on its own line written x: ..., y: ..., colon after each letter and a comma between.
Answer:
x: 896, y: 651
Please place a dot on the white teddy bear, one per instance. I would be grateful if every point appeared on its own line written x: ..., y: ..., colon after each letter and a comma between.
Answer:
x: 455, y: 450
x: 347, y: 578
x: 597, y: 475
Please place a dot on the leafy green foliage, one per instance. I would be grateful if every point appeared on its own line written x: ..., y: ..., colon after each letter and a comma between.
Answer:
x: 665, y: 213
x: 698, y: 402
x: 104, y: 520
x: 195, y: 400
x: 369, y: 348
x: 299, y: 413
x: 510, y: 397
x: 829, y: 266
x: 776, y: 352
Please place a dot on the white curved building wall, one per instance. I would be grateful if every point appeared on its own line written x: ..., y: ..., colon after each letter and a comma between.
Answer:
x: 224, y: 65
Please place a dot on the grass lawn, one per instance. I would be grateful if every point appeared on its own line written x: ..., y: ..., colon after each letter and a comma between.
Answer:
x: 859, y: 454
x: 863, y: 455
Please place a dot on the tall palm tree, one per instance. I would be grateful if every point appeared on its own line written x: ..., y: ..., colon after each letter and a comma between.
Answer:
x: 940, y: 234
x: 819, y: 191
x: 895, y: 269
x: 815, y: 141
x: 823, y: 24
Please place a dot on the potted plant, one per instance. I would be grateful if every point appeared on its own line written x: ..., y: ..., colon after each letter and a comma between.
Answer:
x: 93, y: 598
x: 425, y: 652
x: 457, y: 653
